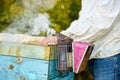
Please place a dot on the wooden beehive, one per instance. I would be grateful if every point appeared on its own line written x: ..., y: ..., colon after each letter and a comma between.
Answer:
x: 29, y: 51
x: 19, y: 61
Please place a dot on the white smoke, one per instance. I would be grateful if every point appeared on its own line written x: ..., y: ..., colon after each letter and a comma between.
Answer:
x: 31, y: 22
x: 31, y: 25
x: 41, y: 24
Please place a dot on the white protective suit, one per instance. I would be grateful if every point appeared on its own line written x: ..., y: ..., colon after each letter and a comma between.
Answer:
x: 99, y: 22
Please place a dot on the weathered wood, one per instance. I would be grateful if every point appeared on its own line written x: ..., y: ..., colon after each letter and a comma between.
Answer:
x: 18, y: 68
x: 30, y: 51
x: 22, y: 59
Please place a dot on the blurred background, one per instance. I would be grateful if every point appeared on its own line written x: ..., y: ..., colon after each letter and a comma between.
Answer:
x: 22, y: 16
x: 39, y: 17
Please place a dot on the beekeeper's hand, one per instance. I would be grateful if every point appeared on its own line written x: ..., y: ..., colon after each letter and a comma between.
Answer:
x: 51, y: 40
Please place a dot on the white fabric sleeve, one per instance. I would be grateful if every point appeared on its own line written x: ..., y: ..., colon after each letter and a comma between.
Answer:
x: 95, y: 22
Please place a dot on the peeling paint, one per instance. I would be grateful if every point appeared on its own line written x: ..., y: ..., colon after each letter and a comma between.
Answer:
x: 10, y: 51
x: 18, y: 60
x: 18, y: 51
x: 30, y: 69
x: 47, y: 53
x: 29, y: 51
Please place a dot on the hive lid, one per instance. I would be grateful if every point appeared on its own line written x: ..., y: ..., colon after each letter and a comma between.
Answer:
x: 20, y: 38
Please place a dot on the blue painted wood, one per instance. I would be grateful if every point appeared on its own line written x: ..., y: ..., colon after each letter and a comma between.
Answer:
x: 28, y: 69
x: 15, y: 68
x: 53, y: 71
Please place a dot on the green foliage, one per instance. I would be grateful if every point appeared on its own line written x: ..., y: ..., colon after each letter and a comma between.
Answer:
x: 64, y: 12
x: 8, y: 10
x: 75, y: 8
x: 3, y: 15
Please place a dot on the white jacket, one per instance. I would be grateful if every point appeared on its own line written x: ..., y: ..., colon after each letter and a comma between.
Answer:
x: 99, y: 22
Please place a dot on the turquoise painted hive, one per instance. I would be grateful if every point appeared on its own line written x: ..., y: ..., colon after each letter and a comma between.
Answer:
x: 20, y: 61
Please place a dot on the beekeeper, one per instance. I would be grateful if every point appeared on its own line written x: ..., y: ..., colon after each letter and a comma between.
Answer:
x: 99, y: 23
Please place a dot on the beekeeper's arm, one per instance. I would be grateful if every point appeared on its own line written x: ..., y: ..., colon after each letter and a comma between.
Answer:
x: 95, y: 21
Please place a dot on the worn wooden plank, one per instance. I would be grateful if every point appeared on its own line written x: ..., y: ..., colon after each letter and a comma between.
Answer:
x: 30, y: 51
x: 16, y: 68
x: 12, y: 69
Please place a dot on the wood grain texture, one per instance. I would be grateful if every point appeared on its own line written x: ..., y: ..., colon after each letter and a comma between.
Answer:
x: 29, y: 51
x: 18, y: 68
